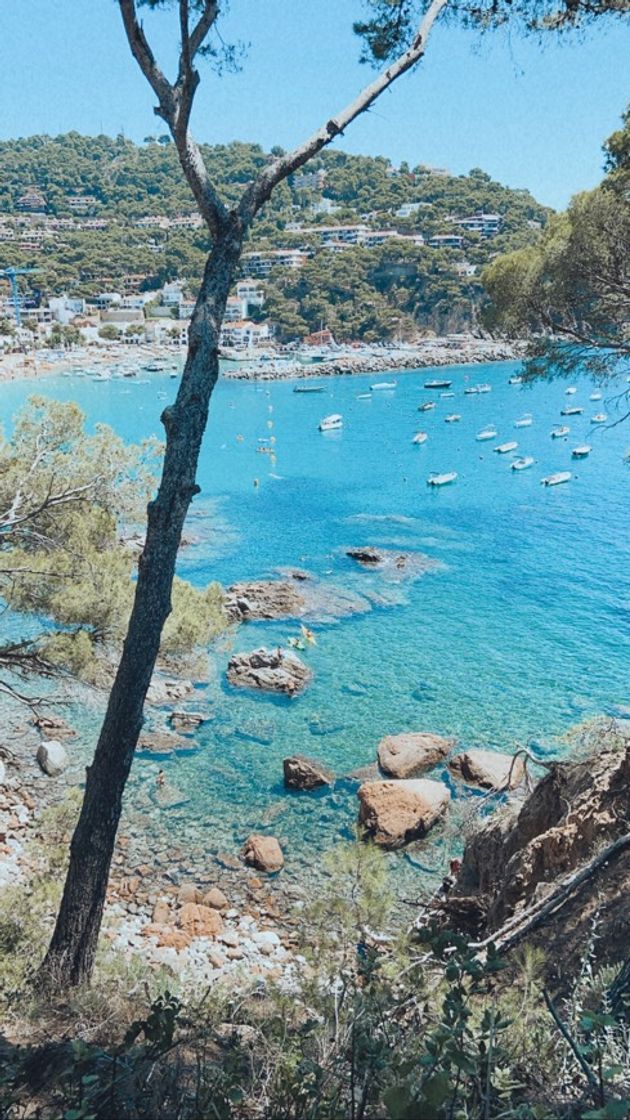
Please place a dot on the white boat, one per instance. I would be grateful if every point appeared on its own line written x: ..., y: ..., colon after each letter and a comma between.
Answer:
x: 485, y: 388
x: 523, y: 421
x: 364, y: 397
x: 523, y: 462
x: 503, y: 448
x: 445, y: 395
x: 570, y: 390
x: 581, y: 452
x: 556, y: 479
x: 437, y: 384
x: 572, y: 410
x: 486, y: 433
x: 515, y: 381
x: 596, y: 396
x: 383, y: 385
x: 426, y: 407
x: 441, y: 479
x: 560, y: 431
x: 599, y: 418
x: 102, y: 377
x: 308, y: 388
x: 453, y: 418
x: 420, y: 437
x: 331, y: 423
x: 173, y: 374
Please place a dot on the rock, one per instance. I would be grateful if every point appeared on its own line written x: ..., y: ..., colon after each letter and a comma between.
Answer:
x: 200, y: 921
x: 230, y: 938
x: 161, y: 912
x: 168, y: 796
x: 161, y: 742
x: 217, y: 959
x: 365, y: 555
x: 263, y: 852
x: 53, y: 725
x: 268, y: 670
x: 262, y: 599
x: 3, y: 772
x: 325, y: 725
x: 186, y: 721
x: 301, y: 772
x: 188, y: 892
x: 518, y: 854
x: 52, y: 757
x: 235, y: 954
x: 174, y: 939
x: 216, y: 899
x: 162, y: 691
x: 394, y: 813
x: 487, y: 769
x: 369, y: 773
x: 404, y: 756
x: 256, y: 731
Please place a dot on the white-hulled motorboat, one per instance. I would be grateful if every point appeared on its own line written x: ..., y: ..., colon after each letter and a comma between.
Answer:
x: 556, y: 479
x: 331, y: 423
x: 441, y: 479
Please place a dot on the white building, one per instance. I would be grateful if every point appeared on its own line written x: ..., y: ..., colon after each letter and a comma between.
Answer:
x: 245, y: 333
x: 488, y: 225
x: 251, y: 291
x: 261, y: 263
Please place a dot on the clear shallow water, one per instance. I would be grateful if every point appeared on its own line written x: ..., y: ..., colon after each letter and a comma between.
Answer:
x: 521, y: 633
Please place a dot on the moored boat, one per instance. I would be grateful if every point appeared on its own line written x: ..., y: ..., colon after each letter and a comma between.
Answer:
x: 452, y: 418
x: 523, y: 462
x: 331, y: 423
x: 420, y: 437
x: 572, y: 410
x: 596, y: 396
x: 441, y: 479
x: 383, y: 385
x: 437, y: 384
x: 515, y: 380
x: 599, y: 418
x: 560, y: 431
x: 581, y: 452
x: 556, y: 479
x: 426, y: 407
x: 503, y: 448
x: 571, y: 390
x: 486, y: 433
x: 308, y: 388
x: 523, y: 421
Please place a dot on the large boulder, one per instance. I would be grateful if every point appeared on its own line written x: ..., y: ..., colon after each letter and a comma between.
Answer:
x: 394, y: 813
x: 263, y: 599
x: 52, y: 757
x: 409, y: 754
x: 487, y: 769
x: 301, y: 772
x: 263, y: 853
x: 269, y: 670
x: 199, y: 920
x: 3, y: 772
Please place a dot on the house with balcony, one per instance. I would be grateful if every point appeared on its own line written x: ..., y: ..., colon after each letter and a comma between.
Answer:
x: 244, y: 333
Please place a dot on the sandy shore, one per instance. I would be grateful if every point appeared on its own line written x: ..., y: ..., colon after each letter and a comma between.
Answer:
x: 18, y: 367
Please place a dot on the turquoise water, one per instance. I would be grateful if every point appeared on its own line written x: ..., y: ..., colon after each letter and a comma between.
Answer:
x: 522, y: 632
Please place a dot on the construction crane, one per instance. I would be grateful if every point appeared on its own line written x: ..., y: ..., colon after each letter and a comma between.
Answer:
x: 11, y: 275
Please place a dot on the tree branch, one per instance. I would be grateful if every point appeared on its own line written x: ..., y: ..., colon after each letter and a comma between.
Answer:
x: 260, y: 190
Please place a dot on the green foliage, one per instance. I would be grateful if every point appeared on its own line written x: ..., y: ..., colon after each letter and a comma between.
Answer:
x: 66, y: 498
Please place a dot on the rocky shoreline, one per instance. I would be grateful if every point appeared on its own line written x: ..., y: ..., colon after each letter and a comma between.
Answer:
x: 435, y: 352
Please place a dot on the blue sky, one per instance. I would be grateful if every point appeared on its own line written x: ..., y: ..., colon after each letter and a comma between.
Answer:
x: 533, y: 116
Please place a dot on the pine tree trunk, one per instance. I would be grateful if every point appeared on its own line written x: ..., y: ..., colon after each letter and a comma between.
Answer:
x: 70, y: 957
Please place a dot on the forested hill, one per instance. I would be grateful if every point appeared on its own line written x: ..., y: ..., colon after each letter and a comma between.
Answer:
x: 88, y: 212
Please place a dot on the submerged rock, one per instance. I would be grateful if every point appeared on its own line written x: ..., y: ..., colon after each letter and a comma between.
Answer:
x: 487, y: 769
x: 164, y: 691
x: 268, y: 670
x: 187, y: 721
x: 395, y: 813
x: 52, y: 757
x: 54, y: 726
x: 301, y: 772
x: 263, y: 852
x: 408, y: 754
x: 400, y: 565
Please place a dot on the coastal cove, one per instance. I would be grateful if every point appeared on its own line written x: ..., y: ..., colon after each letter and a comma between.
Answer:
x: 517, y: 633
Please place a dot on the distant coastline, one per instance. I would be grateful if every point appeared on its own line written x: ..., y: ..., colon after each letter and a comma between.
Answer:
x: 436, y: 352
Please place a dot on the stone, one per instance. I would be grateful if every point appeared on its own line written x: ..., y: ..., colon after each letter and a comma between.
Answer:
x: 162, y: 691
x: 487, y: 769
x: 263, y: 852
x: 409, y: 754
x: 267, y: 670
x: 216, y: 899
x: 186, y: 721
x: 235, y: 954
x: 230, y: 938
x: 200, y: 921
x: 161, y: 912
x: 301, y: 772
x: 365, y: 555
x: 53, y: 725
x: 174, y: 939
x: 3, y: 772
x: 217, y: 959
x: 393, y: 813
x: 188, y: 892
x: 52, y: 757
x: 161, y: 742
x: 262, y: 599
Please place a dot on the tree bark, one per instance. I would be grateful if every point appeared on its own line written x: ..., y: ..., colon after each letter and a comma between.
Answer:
x: 70, y: 957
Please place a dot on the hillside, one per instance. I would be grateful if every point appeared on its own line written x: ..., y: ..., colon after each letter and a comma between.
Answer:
x: 94, y: 212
